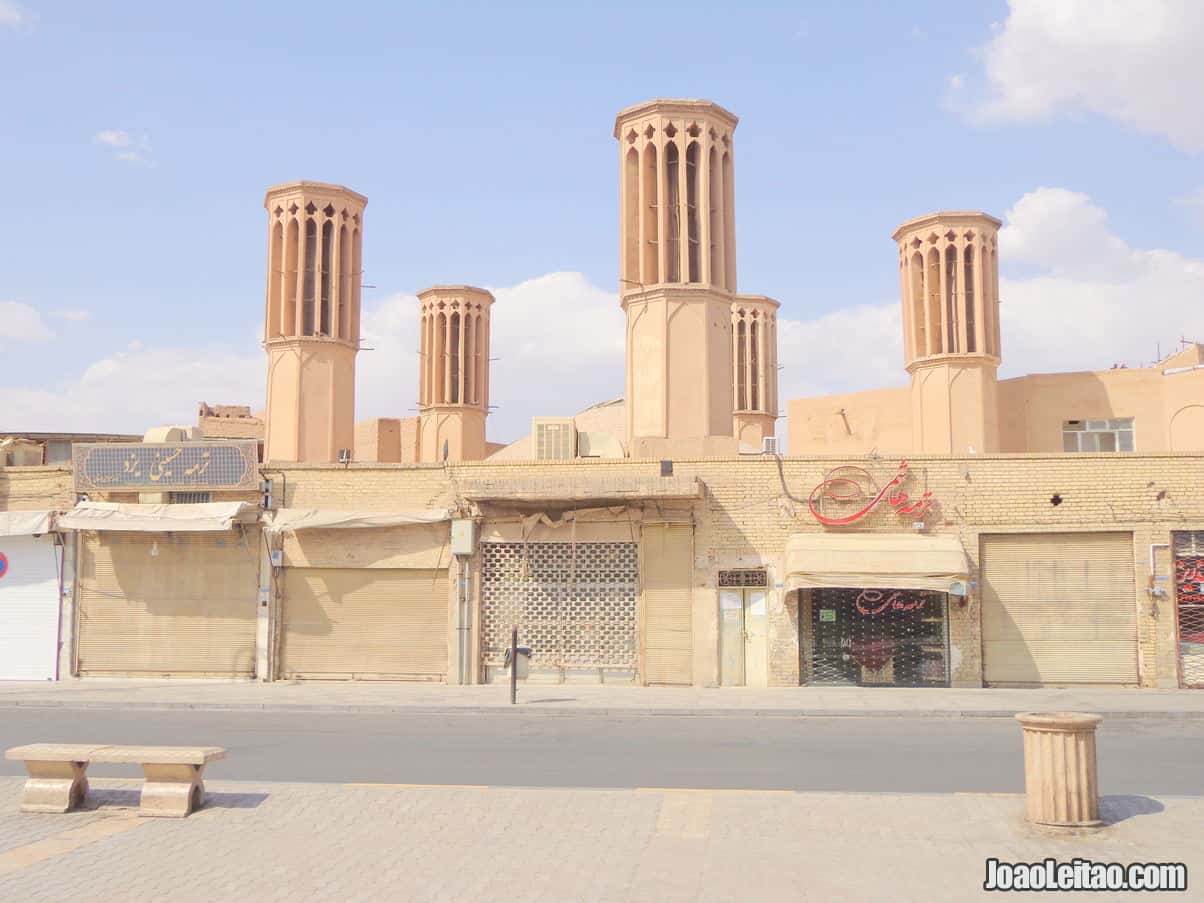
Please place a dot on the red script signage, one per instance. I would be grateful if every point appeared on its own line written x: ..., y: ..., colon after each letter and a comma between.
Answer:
x: 849, y: 485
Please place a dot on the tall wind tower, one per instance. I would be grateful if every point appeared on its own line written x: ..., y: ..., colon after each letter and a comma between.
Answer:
x: 312, y: 319
x: 677, y: 265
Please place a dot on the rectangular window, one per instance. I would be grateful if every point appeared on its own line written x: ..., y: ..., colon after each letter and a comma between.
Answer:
x: 190, y: 498
x: 1114, y: 435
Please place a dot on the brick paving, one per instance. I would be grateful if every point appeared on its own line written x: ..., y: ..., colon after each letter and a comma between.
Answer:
x: 301, y: 842
x: 570, y: 698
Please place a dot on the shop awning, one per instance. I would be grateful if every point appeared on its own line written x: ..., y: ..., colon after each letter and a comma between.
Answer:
x: 201, y: 517
x: 24, y: 523
x: 885, y: 560
x: 286, y: 519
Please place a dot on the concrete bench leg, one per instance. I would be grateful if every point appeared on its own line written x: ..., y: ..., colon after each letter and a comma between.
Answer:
x: 172, y: 791
x: 54, y: 786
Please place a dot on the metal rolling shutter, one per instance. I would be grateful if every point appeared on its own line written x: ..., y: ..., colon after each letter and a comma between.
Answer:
x: 668, y: 625
x: 29, y: 609
x: 344, y: 623
x: 1059, y: 608
x: 168, y: 604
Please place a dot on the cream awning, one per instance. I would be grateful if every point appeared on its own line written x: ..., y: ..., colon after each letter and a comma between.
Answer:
x: 24, y: 523
x: 201, y: 517
x: 291, y: 519
x: 886, y: 560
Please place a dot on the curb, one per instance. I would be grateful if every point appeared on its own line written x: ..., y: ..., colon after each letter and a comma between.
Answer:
x: 562, y: 711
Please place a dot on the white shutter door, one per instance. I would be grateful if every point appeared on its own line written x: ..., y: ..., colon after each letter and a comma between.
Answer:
x: 29, y: 608
x: 1059, y: 608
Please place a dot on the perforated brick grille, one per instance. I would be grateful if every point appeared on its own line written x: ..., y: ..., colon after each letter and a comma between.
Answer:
x: 1189, y: 596
x: 574, y: 603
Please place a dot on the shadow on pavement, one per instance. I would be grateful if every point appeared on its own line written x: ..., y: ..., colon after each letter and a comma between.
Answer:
x: 1113, y: 809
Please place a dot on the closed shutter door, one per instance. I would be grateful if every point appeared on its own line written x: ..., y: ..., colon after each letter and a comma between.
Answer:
x: 668, y: 625
x: 1059, y: 608
x: 29, y: 608
x: 157, y: 604
x: 343, y: 623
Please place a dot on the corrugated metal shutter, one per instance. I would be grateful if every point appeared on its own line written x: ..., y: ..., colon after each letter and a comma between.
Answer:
x: 1059, y: 608
x: 29, y: 609
x: 668, y: 624
x: 168, y: 604
x: 344, y: 623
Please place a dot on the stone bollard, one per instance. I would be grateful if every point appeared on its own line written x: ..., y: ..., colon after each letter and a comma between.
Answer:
x: 1060, y: 781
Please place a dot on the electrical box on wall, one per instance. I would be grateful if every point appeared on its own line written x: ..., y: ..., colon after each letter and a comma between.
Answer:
x: 463, y: 536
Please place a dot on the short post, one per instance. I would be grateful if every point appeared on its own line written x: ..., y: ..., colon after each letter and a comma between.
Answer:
x: 1060, y: 783
x: 514, y: 666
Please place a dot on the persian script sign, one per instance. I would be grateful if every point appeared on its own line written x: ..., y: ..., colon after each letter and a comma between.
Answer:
x: 166, y: 465
x: 848, y: 493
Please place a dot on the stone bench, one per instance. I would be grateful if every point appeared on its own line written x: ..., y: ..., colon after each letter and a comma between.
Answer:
x: 58, y: 780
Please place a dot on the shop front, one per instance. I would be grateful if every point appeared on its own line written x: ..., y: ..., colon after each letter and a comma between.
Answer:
x: 873, y: 609
x: 29, y: 596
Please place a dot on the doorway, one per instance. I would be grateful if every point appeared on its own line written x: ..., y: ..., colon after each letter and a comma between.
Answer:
x: 743, y: 629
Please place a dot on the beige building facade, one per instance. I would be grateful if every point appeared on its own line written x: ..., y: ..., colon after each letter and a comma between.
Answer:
x: 940, y: 534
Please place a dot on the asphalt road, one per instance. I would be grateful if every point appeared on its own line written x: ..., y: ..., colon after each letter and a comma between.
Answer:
x: 899, y: 755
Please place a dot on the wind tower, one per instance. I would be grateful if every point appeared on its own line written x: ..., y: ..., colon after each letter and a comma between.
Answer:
x: 949, y: 281
x: 453, y: 373
x: 312, y: 319
x: 677, y: 266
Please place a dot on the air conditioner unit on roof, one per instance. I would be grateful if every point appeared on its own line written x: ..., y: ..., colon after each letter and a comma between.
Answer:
x: 555, y: 438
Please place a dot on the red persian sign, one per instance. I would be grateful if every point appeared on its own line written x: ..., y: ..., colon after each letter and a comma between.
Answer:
x: 848, y: 485
x: 876, y: 601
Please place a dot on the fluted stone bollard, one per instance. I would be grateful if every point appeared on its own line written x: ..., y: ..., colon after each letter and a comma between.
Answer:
x: 1060, y: 781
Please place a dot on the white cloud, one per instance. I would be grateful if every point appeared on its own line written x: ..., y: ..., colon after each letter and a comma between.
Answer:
x: 131, y: 391
x: 74, y: 316
x: 126, y: 148
x: 1134, y: 62
x: 21, y: 322
x: 13, y: 15
x: 1097, y: 301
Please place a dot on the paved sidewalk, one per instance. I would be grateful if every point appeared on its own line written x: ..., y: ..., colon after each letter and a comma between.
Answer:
x: 332, y: 842
x: 562, y: 699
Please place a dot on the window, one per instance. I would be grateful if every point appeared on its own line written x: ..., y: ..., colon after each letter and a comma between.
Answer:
x: 190, y: 498
x: 1098, y: 435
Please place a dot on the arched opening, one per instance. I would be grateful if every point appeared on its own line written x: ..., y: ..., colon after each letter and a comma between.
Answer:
x: 441, y: 359
x: 916, y: 276
x: 741, y: 365
x: 344, y: 285
x: 673, y: 220
x: 693, y: 250
x: 454, y: 351
x: 479, y: 351
x: 650, y: 270
x: 936, y: 343
x: 327, y: 243
x: 356, y: 278
x: 470, y: 359
x: 729, y: 225
x: 276, y: 262
x: 951, y: 312
x: 289, y: 326
x: 754, y: 366
x: 990, y: 283
x: 631, y: 218
x: 968, y: 294
x: 307, y: 288
x: 715, y: 196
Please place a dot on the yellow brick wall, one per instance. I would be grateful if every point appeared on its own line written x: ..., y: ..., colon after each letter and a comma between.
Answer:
x: 31, y: 488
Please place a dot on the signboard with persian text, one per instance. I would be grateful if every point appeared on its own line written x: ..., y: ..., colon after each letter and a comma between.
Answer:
x: 166, y: 465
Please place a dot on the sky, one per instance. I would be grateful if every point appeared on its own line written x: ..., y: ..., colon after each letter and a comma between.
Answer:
x: 136, y: 141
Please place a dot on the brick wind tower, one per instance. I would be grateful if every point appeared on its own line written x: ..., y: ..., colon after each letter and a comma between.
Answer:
x: 949, y: 281
x: 453, y: 373
x: 677, y: 267
x: 312, y: 319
